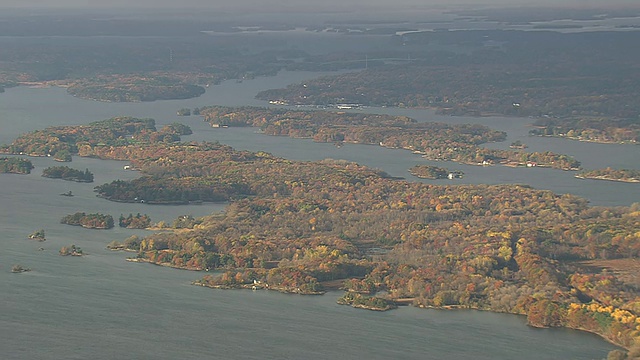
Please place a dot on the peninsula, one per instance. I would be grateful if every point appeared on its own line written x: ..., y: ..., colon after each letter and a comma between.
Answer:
x: 300, y: 226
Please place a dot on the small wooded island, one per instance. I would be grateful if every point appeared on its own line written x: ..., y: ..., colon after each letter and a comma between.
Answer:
x: 16, y: 269
x: 623, y: 175
x: 61, y: 141
x: 434, y: 172
x: 518, y: 145
x: 15, y: 165
x: 38, y: 235
x: 71, y: 250
x: 89, y: 221
x: 67, y: 173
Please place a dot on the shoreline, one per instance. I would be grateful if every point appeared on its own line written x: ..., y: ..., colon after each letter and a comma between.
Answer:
x: 257, y: 286
x: 139, y: 260
x: 604, y: 178
x: 398, y: 303
x: 589, y: 141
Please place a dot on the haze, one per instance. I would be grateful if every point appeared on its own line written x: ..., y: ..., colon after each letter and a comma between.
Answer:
x: 291, y: 4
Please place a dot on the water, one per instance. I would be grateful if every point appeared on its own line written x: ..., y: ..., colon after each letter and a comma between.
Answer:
x: 101, y: 307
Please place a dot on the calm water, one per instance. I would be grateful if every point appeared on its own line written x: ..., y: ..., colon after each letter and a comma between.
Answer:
x: 102, y: 307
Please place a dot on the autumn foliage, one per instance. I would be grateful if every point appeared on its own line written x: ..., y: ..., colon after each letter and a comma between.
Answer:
x: 297, y: 226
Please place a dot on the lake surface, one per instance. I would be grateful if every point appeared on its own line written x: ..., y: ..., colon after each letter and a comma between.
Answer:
x: 101, y: 307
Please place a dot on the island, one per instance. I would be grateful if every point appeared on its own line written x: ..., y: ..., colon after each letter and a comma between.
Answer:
x: 16, y: 269
x: 623, y: 175
x: 133, y: 88
x: 38, y: 235
x: 518, y: 145
x: 15, y: 165
x: 89, y: 221
x: 361, y: 301
x: 434, y: 172
x: 71, y: 250
x: 67, y: 173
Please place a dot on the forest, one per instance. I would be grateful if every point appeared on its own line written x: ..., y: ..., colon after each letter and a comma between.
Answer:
x: 38, y: 235
x: 434, y: 172
x: 300, y: 227
x: 71, y: 250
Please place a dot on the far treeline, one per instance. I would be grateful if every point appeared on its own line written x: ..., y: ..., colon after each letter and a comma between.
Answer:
x: 582, y: 85
x: 584, y: 82
x: 299, y: 226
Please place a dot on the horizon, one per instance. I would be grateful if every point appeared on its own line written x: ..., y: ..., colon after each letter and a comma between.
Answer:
x: 279, y: 5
